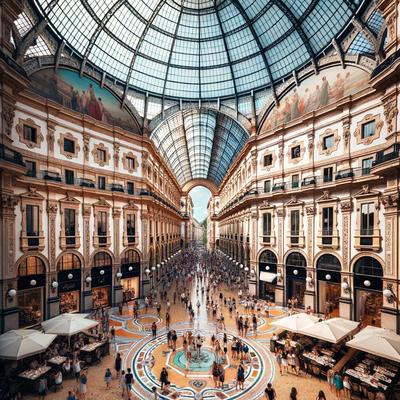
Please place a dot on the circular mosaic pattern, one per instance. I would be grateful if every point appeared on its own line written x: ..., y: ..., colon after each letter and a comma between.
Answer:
x: 196, y: 380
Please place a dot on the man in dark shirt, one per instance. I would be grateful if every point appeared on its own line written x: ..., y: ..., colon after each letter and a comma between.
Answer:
x: 128, y: 382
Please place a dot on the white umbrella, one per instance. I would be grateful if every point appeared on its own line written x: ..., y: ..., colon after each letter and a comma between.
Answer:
x: 332, y: 330
x: 68, y: 324
x: 295, y: 322
x: 378, y: 341
x: 22, y: 343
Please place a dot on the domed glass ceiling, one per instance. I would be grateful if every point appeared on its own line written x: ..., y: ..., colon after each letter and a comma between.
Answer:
x: 198, y: 49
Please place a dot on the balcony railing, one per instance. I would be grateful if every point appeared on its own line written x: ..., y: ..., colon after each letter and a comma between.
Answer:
x: 52, y: 176
x: 11, y: 155
x: 347, y: 173
x: 382, y: 157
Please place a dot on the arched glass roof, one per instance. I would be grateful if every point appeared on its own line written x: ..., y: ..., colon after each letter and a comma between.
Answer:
x: 198, y: 49
x: 199, y: 143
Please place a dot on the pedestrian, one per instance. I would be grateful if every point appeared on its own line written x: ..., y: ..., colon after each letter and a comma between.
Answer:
x: 221, y: 375
x: 215, y: 373
x: 154, y: 329
x: 118, y: 364
x: 42, y: 388
x: 76, y: 366
x: 107, y: 377
x: 164, y: 378
x: 128, y: 382
x: 293, y: 394
x: 254, y: 320
x: 338, y: 381
x: 321, y: 395
x: 122, y: 383
x: 112, y: 331
x: 174, y: 339
x: 71, y: 395
x: 240, y: 376
x: 167, y: 320
x: 82, y: 386
x: 270, y: 393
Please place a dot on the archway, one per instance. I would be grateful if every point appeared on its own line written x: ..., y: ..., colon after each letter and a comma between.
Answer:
x: 130, y: 279
x: 200, y: 196
x: 368, y: 285
x: 296, y: 278
x: 101, y: 279
x: 328, y: 284
x: 267, y: 269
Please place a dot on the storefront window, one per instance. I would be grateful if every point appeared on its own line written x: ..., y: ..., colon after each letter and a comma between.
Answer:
x: 69, y: 302
x: 296, y: 278
x: 267, y: 277
x: 130, y: 287
x: 101, y: 297
x: 30, y: 302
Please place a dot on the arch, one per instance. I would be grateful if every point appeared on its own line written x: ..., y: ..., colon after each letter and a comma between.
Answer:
x: 130, y: 256
x: 296, y: 258
x: 366, y: 254
x: 38, y: 255
x: 270, y: 257
x: 31, y: 265
x: 210, y: 185
x: 328, y: 261
x: 139, y: 253
x: 101, y: 259
x: 368, y: 266
x: 73, y: 252
x: 110, y: 253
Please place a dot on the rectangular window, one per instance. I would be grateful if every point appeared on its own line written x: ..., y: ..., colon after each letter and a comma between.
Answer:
x: 328, y: 174
x: 102, y: 227
x: 31, y: 168
x: 101, y: 155
x: 327, y: 225
x: 366, y: 166
x: 368, y: 129
x: 295, y: 226
x: 101, y: 182
x: 267, y: 186
x: 30, y: 133
x: 295, y: 151
x: 130, y: 162
x: 328, y: 142
x: 130, y: 227
x: 69, y: 146
x: 267, y: 160
x: 69, y: 223
x: 267, y: 227
x: 295, y: 181
x: 367, y: 223
x: 69, y: 176
x: 130, y: 187
x: 32, y: 225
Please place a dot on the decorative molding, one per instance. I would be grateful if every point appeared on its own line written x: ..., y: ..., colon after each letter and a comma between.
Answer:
x: 390, y: 112
x: 95, y: 152
x: 329, y: 150
x: 20, y: 130
x: 125, y: 162
x: 302, y: 152
x: 346, y: 131
x: 86, y: 141
x: 74, y: 139
x: 8, y: 113
x: 378, y: 127
x: 116, y: 155
x: 273, y: 160
x: 346, y: 206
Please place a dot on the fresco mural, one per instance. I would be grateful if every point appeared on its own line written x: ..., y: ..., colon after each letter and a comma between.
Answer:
x: 315, y: 92
x: 83, y: 95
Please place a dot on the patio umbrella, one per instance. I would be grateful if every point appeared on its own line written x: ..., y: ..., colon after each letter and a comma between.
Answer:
x: 295, y: 322
x: 68, y: 324
x: 331, y: 330
x: 378, y: 341
x: 22, y: 343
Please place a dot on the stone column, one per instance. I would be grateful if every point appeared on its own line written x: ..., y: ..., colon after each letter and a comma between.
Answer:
x: 144, y: 278
x: 309, y: 296
x: 117, y: 287
x: 280, y: 285
x: 87, y: 301
x: 253, y: 250
x: 345, y: 302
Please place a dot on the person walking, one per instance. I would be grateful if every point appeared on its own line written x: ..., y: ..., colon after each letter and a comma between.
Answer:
x: 338, y: 381
x: 240, y: 377
x: 321, y: 395
x: 164, y: 378
x: 122, y: 383
x: 128, y: 382
x: 107, y: 377
x: 270, y: 393
x: 82, y: 386
x: 42, y: 388
x: 76, y: 366
x: 154, y: 329
x: 118, y: 364
x: 293, y: 394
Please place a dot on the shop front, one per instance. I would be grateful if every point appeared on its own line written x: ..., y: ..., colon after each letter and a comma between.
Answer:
x: 130, y: 280
x: 69, y: 283
x: 267, y: 268
x: 30, y: 291
x: 368, y: 285
x: 296, y: 278
x: 328, y: 287
x: 101, y: 274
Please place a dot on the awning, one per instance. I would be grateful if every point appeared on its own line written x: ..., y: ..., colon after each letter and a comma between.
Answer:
x: 68, y: 324
x: 378, y: 341
x: 267, y: 276
x: 331, y: 330
x: 295, y: 322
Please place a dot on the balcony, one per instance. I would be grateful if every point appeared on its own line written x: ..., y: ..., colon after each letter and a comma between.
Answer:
x: 87, y: 183
x: 116, y: 187
x: 278, y: 186
x: 368, y: 239
x: 346, y: 173
x: 51, y: 176
x: 310, y: 181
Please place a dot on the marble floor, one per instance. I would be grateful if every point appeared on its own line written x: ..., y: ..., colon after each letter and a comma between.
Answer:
x: 147, y: 356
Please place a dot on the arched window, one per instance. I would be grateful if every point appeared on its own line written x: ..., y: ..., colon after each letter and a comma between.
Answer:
x: 69, y: 261
x: 31, y: 266
x: 131, y: 256
x: 268, y: 257
x: 368, y: 266
x: 296, y: 260
x: 102, y: 259
x: 329, y: 262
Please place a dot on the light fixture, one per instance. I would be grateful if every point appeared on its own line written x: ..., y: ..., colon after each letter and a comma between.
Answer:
x: 70, y: 276
x: 54, y: 284
x: 33, y: 282
x: 246, y: 269
x: 267, y: 268
x: 153, y: 268
x: 237, y: 263
x: 345, y: 286
x: 388, y: 293
x: 11, y: 294
x: 295, y: 272
x: 252, y: 271
x: 130, y: 268
x: 279, y: 275
x: 328, y: 277
x: 367, y: 283
x: 88, y: 279
x: 147, y: 271
x: 310, y: 280
x: 158, y: 267
x: 102, y: 272
x: 119, y: 275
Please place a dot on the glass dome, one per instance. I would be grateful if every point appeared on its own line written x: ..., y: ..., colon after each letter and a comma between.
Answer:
x: 198, y: 49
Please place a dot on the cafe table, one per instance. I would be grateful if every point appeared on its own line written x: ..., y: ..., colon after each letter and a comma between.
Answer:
x: 30, y: 377
x: 57, y: 361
